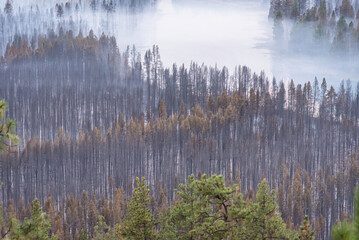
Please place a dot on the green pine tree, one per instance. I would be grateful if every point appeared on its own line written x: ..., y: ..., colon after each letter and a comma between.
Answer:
x: 139, y: 223
x: 216, y: 197
x: 9, y: 227
x: 100, y: 229
x: 103, y: 231
x: 342, y: 231
x: 36, y: 227
x: 83, y: 235
x: 356, y: 214
x: 180, y: 220
x: 305, y: 232
x: 263, y: 221
x: 348, y: 230
x: 8, y: 138
x: 202, y: 211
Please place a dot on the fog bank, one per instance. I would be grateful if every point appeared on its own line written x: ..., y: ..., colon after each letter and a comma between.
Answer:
x: 223, y: 33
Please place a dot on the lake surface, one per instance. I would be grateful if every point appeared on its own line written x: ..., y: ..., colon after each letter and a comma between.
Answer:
x: 225, y: 33
x: 229, y: 33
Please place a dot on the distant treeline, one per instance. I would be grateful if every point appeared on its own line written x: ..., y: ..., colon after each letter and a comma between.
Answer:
x: 103, y: 117
x: 334, y: 25
x: 107, y: 5
x: 314, y: 10
x: 32, y: 17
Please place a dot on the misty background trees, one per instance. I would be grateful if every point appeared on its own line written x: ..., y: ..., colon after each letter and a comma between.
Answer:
x: 331, y: 25
x: 27, y: 19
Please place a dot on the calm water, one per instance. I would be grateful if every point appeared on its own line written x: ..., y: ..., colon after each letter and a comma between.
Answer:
x: 212, y: 32
x: 230, y: 33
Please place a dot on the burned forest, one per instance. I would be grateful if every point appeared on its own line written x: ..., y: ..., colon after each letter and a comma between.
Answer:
x: 104, y: 139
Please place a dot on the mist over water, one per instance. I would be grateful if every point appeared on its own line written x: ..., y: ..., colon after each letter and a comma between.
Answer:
x: 234, y: 33
x: 231, y: 33
x: 214, y: 32
x: 224, y: 33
